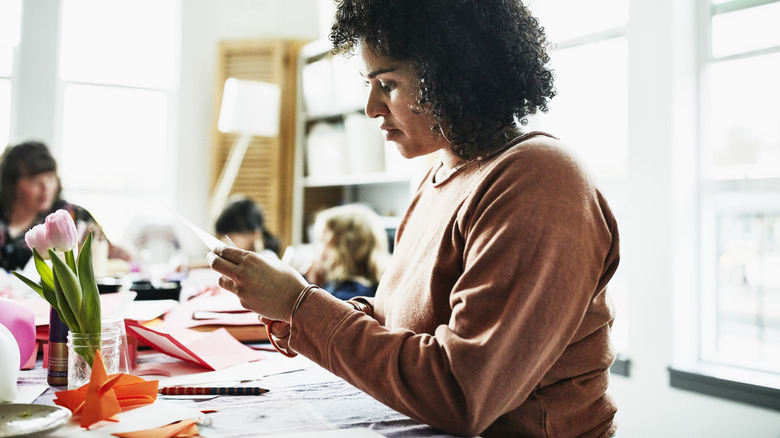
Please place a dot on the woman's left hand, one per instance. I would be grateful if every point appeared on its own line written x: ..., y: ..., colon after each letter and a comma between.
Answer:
x: 264, y: 285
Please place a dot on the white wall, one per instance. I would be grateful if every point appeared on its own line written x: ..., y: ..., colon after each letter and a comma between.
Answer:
x: 35, y: 75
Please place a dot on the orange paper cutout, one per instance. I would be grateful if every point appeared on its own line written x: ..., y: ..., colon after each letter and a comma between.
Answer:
x: 100, y: 402
x: 180, y: 429
x: 105, y: 396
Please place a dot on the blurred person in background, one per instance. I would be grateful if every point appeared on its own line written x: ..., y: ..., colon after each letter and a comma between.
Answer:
x: 351, y: 251
x: 243, y: 222
x: 30, y: 190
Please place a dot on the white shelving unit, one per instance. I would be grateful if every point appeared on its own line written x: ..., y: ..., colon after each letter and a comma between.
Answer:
x: 341, y: 156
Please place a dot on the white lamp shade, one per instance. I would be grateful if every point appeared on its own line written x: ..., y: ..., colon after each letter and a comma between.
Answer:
x: 250, y: 107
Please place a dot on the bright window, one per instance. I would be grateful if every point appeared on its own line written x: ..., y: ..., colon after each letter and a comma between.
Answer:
x: 10, y: 21
x: 745, y: 30
x: 590, y: 63
x: 743, y: 124
x: 116, y: 104
x: 740, y: 187
x: 565, y: 20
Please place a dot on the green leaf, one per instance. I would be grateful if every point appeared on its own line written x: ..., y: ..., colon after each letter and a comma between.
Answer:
x: 34, y: 286
x: 48, y: 293
x: 44, y: 270
x: 91, y: 302
x: 63, y: 308
x: 70, y: 259
x: 67, y: 282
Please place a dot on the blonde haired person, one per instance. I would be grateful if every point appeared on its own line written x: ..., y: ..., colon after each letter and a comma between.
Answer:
x: 352, y: 251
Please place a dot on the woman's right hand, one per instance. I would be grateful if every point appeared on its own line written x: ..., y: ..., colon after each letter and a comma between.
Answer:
x: 264, y: 285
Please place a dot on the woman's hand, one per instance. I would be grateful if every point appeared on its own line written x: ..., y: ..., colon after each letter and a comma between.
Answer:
x: 279, y: 335
x: 264, y: 285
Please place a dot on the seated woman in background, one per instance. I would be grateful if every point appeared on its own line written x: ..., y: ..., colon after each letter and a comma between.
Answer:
x: 351, y: 247
x: 29, y: 190
x: 242, y: 220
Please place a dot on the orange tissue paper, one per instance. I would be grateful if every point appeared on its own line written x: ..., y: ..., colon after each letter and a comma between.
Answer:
x: 105, y: 396
x: 179, y: 429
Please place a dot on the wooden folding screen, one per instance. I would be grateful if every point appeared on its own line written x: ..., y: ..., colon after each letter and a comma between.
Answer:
x: 267, y: 171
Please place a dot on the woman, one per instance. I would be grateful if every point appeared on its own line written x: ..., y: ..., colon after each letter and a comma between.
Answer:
x: 30, y: 190
x: 351, y: 248
x: 243, y: 222
x: 493, y: 316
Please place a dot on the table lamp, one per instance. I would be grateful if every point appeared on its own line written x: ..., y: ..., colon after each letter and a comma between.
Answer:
x: 249, y: 108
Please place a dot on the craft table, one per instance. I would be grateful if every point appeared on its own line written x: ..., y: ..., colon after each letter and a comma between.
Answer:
x: 304, y: 400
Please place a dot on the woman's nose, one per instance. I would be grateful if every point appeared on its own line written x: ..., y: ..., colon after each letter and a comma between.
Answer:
x: 375, y: 105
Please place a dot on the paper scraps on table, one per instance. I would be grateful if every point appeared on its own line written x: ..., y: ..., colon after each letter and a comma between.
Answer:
x: 180, y: 429
x: 105, y: 396
x: 212, y: 350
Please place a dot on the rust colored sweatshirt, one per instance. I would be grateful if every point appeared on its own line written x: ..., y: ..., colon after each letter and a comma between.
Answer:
x: 493, y: 318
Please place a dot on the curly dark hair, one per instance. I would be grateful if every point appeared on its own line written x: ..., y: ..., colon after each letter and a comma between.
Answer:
x: 482, y: 63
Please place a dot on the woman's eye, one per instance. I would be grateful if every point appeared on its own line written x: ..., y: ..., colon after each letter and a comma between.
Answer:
x: 385, y: 86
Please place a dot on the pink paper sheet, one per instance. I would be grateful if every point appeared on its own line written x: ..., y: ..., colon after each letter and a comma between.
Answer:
x: 213, y: 307
x: 213, y: 350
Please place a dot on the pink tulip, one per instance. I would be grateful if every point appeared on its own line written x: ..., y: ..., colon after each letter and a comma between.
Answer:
x: 37, y: 238
x: 61, y: 231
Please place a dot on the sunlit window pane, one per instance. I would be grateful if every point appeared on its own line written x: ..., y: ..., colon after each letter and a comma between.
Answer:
x: 135, y: 45
x: 564, y: 19
x: 119, y: 215
x: 5, y: 112
x: 746, y: 30
x: 114, y: 138
x: 592, y: 83
x: 747, y: 330
x: 10, y: 17
x: 743, y: 129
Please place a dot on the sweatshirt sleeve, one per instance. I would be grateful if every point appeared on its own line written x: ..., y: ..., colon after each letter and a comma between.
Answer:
x: 536, y: 249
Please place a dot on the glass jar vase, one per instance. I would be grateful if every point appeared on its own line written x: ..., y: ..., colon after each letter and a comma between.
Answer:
x: 82, y: 348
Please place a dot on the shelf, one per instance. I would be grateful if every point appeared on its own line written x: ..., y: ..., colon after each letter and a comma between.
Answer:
x: 327, y: 106
x: 333, y: 115
x: 354, y: 180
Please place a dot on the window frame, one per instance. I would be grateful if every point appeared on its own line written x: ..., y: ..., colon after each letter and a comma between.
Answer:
x: 11, y: 77
x: 78, y: 193
x: 622, y: 364
x: 701, y: 375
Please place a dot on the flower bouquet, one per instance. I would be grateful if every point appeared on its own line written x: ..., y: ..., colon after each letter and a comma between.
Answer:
x: 69, y: 284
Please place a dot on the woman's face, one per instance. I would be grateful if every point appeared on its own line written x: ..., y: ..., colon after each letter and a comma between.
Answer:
x: 393, y: 99
x: 36, y: 193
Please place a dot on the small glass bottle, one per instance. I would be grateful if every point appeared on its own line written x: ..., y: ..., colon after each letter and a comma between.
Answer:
x: 58, y: 350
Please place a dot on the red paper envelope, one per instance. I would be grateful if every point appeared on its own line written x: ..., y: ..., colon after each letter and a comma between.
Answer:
x: 213, y: 350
